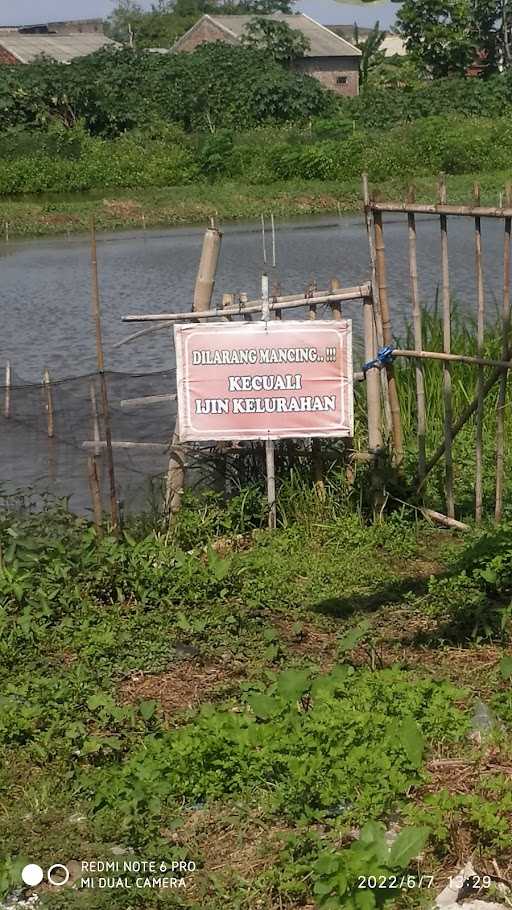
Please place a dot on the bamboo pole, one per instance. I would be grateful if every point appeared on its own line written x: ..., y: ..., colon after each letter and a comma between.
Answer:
x: 264, y: 240
x: 227, y: 304
x: 8, y: 389
x: 372, y: 379
x: 466, y: 415
x: 381, y: 275
x: 243, y: 298
x: 47, y: 389
x: 480, y: 348
x: 447, y: 379
x: 205, y: 282
x: 418, y: 341
x: 94, y: 487
x: 443, y: 209
x: 370, y: 231
x: 146, y: 400
x: 114, y: 511
x: 252, y: 306
x: 456, y: 358
x: 274, y: 252
x: 502, y: 395
x: 334, y: 286
x: 95, y: 418
x: 275, y: 296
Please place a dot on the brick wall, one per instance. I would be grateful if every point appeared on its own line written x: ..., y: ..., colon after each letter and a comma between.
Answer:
x: 340, y: 74
x: 205, y: 32
x: 6, y: 56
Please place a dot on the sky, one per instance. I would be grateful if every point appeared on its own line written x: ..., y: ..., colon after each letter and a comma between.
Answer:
x: 23, y: 12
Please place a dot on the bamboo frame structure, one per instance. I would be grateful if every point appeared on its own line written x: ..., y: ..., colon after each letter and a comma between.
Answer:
x: 283, y: 303
x: 502, y: 395
x: 418, y: 339
x: 48, y: 395
x: 7, y: 390
x: 387, y: 334
x: 447, y: 377
x: 442, y: 208
x: 114, y: 510
x: 94, y: 486
x: 480, y: 348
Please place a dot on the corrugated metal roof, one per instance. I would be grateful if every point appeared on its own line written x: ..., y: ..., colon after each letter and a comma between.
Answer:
x: 62, y: 48
x: 323, y: 42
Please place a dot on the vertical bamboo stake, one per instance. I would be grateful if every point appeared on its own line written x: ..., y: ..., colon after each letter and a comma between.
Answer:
x: 243, y: 297
x: 375, y: 299
x: 205, y: 282
x: 95, y: 420
x: 7, y: 392
x: 480, y: 349
x: 264, y: 240
x: 380, y: 251
x: 269, y: 443
x: 47, y: 388
x: 335, y: 285
x: 227, y: 302
x: 114, y: 512
x: 7, y: 232
x: 502, y: 395
x: 94, y: 486
x: 276, y: 292
x: 418, y: 340
x: 274, y: 253
x: 372, y: 379
x: 447, y: 377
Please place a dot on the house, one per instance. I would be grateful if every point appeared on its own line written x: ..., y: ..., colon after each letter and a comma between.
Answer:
x: 62, y: 41
x: 331, y: 58
x: 393, y: 45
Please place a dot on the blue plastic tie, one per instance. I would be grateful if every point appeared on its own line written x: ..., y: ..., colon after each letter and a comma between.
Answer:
x: 383, y: 358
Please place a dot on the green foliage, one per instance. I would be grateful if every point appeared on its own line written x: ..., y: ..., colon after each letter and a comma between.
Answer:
x: 283, y: 44
x: 342, y: 876
x: 346, y: 744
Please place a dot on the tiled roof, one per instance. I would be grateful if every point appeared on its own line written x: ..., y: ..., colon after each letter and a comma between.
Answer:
x: 62, y: 48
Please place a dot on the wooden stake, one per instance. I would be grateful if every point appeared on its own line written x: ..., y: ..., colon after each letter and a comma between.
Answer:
x: 114, y: 512
x: 372, y: 379
x: 7, y: 232
x: 205, y: 282
x: 380, y: 251
x: 335, y: 285
x: 271, y: 484
x: 94, y: 486
x: 47, y: 389
x: 502, y: 395
x: 274, y: 259
x: 7, y: 392
x: 447, y: 378
x: 243, y: 298
x: 264, y: 240
x: 228, y: 301
x: 95, y: 419
x: 418, y: 341
x: 480, y: 349
x: 370, y: 230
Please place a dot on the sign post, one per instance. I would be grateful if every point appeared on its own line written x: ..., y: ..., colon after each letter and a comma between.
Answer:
x: 265, y: 380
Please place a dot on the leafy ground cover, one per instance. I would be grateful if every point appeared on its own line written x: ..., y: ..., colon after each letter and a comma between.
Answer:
x: 273, y: 708
x: 56, y: 214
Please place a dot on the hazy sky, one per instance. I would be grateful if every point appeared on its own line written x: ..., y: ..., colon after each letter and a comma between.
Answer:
x: 19, y: 12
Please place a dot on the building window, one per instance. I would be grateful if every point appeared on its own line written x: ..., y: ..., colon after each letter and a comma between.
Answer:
x: 341, y: 80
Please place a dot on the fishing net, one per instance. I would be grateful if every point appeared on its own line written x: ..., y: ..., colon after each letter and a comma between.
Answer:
x: 47, y: 432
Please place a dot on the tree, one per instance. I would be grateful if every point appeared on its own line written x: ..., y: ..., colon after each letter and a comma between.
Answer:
x: 370, y: 49
x: 284, y: 44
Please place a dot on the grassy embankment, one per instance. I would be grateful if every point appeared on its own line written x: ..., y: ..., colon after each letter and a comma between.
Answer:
x: 230, y: 201
x: 342, y: 664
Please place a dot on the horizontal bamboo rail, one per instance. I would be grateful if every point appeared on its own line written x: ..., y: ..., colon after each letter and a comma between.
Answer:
x: 476, y: 211
x: 141, y: 446
x: 355, y: 293
x: 454, y: 358
x: 149, y: 399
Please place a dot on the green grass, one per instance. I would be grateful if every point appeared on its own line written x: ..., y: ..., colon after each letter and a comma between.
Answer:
x: 229, y: 201
x: 334, y: 661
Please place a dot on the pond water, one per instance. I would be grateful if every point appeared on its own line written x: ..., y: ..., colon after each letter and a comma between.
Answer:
x: 45, y: 287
